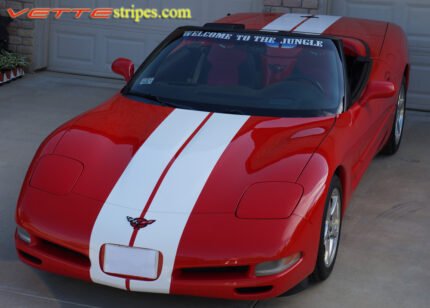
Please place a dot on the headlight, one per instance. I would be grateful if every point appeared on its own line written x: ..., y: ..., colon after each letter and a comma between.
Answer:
x: 56, y: 174
x: 23, y: 235
x: 276, y: 267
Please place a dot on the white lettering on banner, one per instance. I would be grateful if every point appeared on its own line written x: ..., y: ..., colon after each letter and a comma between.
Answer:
x: 213, y: 35
x: 272, y: 41
x: 304, y: 42
x: 265, y: 39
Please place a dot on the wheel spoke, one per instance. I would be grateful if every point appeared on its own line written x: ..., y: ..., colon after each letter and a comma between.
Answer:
x: 334, y: 201
x: 332, y: 227
x: 400, y: 116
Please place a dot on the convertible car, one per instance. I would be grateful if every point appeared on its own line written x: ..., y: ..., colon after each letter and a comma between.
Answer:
x: 225, y: 165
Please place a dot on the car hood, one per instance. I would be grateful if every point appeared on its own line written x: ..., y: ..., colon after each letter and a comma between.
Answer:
x: 122, y: 143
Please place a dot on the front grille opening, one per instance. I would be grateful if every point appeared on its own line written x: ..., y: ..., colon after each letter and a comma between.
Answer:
x: 65, y: 254
x: 214, y: 272
x: 254, y: 290
x: 29, y: 258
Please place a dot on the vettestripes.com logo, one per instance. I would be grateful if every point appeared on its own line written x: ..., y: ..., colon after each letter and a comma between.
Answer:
x: 131, y: 13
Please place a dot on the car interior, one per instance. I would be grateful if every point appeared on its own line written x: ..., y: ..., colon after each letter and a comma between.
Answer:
x: 358, y: 65
x: 218, y: 64
x: 239, y: 74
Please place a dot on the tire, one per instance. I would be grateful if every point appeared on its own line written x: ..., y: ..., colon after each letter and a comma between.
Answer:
x: 396, y: 135
x: 331, y: 227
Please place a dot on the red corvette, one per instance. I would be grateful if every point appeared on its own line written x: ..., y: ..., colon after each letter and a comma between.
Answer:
x: 225, y: 165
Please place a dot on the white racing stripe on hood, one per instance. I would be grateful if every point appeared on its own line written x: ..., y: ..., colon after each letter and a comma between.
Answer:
x: 133, y: 189
x: 179, y: 192
x: 317, y: 25
x: 138, y: 180
x: 286, y: 22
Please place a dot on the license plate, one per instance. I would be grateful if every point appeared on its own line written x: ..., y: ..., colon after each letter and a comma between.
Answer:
x: 131, y: 261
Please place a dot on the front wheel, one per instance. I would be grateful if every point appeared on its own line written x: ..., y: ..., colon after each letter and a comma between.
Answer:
x: 396, y: 134
x: 330, y: 233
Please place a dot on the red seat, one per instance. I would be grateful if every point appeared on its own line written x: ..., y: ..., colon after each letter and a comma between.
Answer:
x: 225, y: 65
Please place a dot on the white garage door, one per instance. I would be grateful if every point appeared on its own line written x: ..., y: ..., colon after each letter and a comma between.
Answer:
x: 414, y: 17
x: 88, y: 47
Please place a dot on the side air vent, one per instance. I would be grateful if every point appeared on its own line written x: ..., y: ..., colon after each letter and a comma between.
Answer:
x: 30, y: 258
x: 228, y: 272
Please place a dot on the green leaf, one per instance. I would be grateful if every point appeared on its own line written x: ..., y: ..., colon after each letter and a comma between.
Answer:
x: 9, y: 61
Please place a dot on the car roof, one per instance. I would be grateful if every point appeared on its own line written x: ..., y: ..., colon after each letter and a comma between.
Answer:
x: 370, y: 31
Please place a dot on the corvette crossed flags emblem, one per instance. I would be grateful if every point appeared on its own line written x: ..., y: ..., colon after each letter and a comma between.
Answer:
x: 139, y: 223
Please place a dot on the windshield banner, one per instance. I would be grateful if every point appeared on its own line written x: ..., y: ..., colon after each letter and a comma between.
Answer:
x: 273, y: 41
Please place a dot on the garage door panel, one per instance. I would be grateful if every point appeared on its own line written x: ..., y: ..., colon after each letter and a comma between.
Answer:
x: 420, y: 101
x: 66, y: 45
x: 75, y: 48
x: 378, y: 11
x: 105, y: 40
x: 420, y: 72
x: 418, y: 20
x: 91, y: 51
x: 419, y: 78
x: 414, y: 17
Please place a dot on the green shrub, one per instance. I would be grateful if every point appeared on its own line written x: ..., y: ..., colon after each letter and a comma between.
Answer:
x: 9, y: 60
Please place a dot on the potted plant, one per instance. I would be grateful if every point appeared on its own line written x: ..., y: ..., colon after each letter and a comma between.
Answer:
x: 11, y: 66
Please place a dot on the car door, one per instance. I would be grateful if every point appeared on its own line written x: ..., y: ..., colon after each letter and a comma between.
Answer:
x: 362, y: 128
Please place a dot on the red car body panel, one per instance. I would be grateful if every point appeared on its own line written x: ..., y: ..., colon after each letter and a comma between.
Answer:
x: 306, y: 152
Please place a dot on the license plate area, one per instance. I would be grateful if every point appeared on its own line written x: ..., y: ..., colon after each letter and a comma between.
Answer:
x: 130, y: 262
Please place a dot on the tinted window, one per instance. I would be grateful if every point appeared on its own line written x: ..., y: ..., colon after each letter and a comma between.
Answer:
x: 258, y: 74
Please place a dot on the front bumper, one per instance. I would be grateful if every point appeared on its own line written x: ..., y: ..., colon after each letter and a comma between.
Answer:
x: 205, y: 274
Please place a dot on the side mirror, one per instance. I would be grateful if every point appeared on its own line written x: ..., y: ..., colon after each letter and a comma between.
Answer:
x: 354, y: 47
x: 379, y: 89
x: 123, y: 67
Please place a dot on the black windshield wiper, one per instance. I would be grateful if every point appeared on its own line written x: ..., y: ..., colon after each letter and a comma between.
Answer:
x: 161, y: 101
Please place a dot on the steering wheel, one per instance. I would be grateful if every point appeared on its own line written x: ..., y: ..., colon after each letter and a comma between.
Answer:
x: 312, y: 82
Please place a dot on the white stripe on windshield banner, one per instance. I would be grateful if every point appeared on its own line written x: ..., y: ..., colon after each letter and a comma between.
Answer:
x: 286, y: 22
x: 178, y: 194
x: 133, y: 189
x: 317, y: 24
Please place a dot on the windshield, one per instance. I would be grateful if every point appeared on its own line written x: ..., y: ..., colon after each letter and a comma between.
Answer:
x: 245, y: 73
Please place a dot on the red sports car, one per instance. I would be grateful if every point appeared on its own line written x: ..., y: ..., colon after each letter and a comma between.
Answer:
x: 225, y: 165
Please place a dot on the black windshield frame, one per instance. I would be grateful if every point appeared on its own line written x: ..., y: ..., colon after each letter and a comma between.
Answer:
x: 179, y: 32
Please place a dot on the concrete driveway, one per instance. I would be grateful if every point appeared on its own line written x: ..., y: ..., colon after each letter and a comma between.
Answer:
x: 384, y: 257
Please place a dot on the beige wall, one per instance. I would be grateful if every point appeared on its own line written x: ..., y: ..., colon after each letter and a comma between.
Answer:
x: 295, y: 6
x: 21, y: 31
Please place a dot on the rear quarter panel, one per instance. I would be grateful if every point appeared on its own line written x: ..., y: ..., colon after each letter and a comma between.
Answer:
x: 395, y: 55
